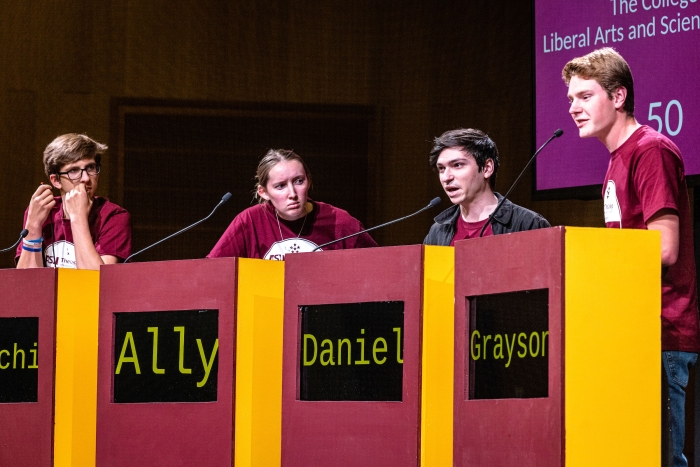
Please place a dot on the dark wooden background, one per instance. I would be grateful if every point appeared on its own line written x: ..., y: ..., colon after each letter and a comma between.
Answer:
x: 420, y: 67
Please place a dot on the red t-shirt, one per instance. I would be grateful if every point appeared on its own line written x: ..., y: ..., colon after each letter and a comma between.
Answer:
x: 255, y: 233
x: 110, y: 229
x: 647, y: 174
x: 470, y: 230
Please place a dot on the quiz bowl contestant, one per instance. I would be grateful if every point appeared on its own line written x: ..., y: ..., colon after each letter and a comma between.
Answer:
x: 644, y: 188
x: 466, y: 161
x: 76, y: 229
x: 286, y: 220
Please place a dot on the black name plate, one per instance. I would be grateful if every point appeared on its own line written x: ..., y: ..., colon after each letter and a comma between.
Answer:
x: 165, y: 356
x: 19, y: 360
x: 351, y: 352
x: 508, y: 345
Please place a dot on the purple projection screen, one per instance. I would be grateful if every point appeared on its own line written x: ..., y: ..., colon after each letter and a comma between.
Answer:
x: 660, y: 39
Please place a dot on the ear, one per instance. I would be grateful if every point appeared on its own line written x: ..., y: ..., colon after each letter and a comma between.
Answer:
x: 55, y: 181
x: 262, y: 193
x: 488, y: 168
x: 619, y: 97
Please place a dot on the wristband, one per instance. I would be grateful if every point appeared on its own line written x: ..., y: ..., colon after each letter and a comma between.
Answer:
x: 33, y: 243
x: 33, y: 250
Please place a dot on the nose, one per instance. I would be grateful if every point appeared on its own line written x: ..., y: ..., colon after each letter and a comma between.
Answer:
x: 292, y: 191
x: 574, y: 108
x: 84, y: 177
x: 446, y: 175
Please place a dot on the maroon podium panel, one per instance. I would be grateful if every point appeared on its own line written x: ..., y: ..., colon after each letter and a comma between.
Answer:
x: 509, y: 411
x: 27, y: 352
x: 351, y: 359
x: 166, y: 363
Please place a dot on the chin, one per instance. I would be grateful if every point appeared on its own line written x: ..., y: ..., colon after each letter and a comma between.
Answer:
x: 293, y: 215
x: 457, y: 200
x: 588, y: 131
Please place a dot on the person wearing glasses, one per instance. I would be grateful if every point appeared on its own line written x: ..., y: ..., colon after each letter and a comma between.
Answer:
x: 76, y: 229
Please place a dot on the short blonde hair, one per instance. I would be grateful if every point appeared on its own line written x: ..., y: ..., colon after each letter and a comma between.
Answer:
x: 70, y: 148
x: 608, y: 68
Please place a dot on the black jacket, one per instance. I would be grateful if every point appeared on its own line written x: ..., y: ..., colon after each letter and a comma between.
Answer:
x: 509, y: 218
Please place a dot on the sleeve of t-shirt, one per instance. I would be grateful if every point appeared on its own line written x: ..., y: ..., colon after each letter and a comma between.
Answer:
x: 232, y: 242
x: 364, y: 240
x: 114, y: 238
x: 657, y: 178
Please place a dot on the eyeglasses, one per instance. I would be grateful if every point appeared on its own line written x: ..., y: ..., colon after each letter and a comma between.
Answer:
x: 76, y: 173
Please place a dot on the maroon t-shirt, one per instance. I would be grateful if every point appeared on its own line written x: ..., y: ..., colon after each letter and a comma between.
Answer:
x: 646, y: 174
x: 256, y: 233
x: 110, y: 229
x: 470, y: 229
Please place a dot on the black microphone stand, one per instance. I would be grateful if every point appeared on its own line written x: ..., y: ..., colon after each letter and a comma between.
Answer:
x: 433, y: 202
x: 225, y: 198
x: 22, y: 234
x: 556, y: 134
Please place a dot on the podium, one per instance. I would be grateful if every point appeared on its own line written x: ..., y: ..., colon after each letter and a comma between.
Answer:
x: 48, y: 367
x: 558, y: 349
x: 167, y: 363
x: 363, y: 329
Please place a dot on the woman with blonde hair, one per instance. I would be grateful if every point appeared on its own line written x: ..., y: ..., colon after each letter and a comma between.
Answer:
x: 286, y: 220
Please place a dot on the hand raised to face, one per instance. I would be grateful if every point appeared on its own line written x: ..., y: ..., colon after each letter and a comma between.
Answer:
x: 78, y: 203
x: 39, y: 208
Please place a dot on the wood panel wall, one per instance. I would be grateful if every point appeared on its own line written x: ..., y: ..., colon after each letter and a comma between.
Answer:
x: 427, y: 67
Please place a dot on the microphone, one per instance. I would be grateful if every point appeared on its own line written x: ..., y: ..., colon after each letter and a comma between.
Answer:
x: 434, y: 202
x: 556, y: 134
x: 22, y: 234
x: 225, y: 198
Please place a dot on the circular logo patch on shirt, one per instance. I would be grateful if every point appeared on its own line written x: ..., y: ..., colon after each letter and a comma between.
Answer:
x: 290, y: 245
x: 60, y: 254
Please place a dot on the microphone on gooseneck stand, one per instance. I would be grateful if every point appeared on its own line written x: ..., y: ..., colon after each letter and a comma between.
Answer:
x: 556, y: 134
x: 225, y: 198
x: 22, y: 234
x: 434, y: 202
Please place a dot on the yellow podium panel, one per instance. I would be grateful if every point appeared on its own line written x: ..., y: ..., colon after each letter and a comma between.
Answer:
x: 77, y: 318
x: 612, y: 356
x: 260, y: 316
x: 438, y: 356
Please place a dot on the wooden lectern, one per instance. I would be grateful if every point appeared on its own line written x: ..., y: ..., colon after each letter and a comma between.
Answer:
x: 170, y: 389
x: 48, y: 367
x: 362, y: 331
x: 558, y: 349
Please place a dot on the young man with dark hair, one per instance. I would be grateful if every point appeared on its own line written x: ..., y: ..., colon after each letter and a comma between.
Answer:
x: 467, y: 162
x: 75, y: 229
x: 644, y: 188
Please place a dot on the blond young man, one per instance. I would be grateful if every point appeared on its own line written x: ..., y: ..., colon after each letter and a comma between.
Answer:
x: 644, y: 188
x: 75, y: 229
